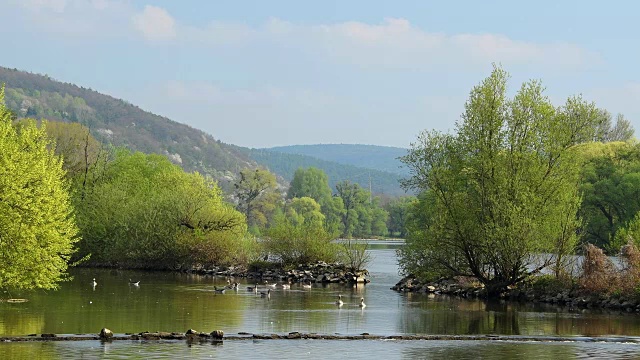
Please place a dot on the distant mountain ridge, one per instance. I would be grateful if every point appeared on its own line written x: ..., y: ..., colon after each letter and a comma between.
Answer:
x: 382, y: 158
x: 285, y: 165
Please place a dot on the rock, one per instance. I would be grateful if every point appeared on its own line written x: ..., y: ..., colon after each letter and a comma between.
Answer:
x: 106, y: 333
x: 192, y: 332
x: 431, y: 288
x: 48, y: 335
x: 217, y: 334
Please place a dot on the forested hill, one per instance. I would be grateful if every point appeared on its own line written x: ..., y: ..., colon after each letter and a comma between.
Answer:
x: 118, y: 122
x: 285, y: 165
x: 383, y: 158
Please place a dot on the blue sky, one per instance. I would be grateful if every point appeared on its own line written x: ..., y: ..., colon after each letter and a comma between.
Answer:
x: 270, y: 73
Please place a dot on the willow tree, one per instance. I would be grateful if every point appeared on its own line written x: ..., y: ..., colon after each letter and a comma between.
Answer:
x: 37, y: 229
x: 500, y: 190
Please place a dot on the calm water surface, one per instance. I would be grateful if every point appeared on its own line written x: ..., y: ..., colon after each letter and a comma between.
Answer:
x: 177, y: 302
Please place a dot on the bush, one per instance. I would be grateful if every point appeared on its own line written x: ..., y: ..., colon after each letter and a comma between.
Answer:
x: 599, y: 274
x: 300, y: 243
x: 354, y: 254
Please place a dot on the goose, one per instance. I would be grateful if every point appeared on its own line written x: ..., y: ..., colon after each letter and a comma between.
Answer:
x: 219, y: 290
x: 362, y: 304
x: 306, y: 286
x: 253, y: 288
x: 285, y: 286
x: 233, y: 286
x: 94, y: 283
x: 273, y: 286
x: 134, y: 283
x: 339, y: 301
x: 266, y: 294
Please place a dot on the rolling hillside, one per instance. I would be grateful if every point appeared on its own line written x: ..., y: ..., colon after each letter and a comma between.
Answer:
x: 285, y: 165
x: 120, y: 123
x: 383, y: 158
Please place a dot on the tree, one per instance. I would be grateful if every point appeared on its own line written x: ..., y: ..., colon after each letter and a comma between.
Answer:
x: 300, y: 236
x: 606, y: 132
x: 610, y: 183
x: 398, y: 209
x: 362, y: 215
x: 314, y: 183
x: 501, y: 189
x: 256, y: 188
x: 37, y: 228
x: 146, y: 212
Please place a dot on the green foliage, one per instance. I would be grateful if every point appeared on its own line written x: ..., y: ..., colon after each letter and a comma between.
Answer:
x: 257, y: 195
x: 362, y: 215
x: 145, y: 212
x: 37, y: 229
x: 299, y: 235
x: 354, y: 254
x: 631, y: 232
x: 611, y: 187
x: 314, y: 183
x: 398, y: 210
x: 500, y: 189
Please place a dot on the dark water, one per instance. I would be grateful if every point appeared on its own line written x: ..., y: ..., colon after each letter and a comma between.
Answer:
x: 177, y: 302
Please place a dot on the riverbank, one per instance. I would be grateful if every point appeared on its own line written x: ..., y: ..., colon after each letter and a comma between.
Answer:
x: 571, y: 297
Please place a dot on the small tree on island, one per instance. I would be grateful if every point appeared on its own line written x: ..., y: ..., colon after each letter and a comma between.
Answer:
x: 500, y: 190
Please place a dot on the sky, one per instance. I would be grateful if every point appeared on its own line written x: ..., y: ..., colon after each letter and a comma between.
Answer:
x: 272, y: 73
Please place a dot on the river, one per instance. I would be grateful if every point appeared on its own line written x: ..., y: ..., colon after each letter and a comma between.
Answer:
x: 166, y: 301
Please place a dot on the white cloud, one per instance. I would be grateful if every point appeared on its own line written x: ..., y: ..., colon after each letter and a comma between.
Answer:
x: 155, y: 24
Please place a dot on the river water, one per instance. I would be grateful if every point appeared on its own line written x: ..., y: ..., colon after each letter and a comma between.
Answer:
x: 176, y: 302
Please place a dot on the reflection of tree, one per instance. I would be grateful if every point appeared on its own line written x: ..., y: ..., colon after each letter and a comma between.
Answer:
x: 19, y: 319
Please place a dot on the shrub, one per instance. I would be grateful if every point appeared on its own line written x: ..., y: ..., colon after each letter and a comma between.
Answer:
x: 599, y: 274
x: 354, y: 254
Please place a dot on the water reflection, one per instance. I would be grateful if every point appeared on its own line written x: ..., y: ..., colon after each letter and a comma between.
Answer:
x: 175, y: 302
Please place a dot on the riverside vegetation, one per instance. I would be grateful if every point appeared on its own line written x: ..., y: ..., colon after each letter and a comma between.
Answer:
x: 519, y: 178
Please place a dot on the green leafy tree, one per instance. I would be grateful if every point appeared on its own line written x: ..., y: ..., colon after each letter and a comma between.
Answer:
x: 362, y: 215
x: 37, y: 228
x: 257, y: 195
x: 501, y: 189
x: 398, y: 209
x: 146, y: 212
x: 314, y: 183
x: 299, y: 235
x: 611, y: 190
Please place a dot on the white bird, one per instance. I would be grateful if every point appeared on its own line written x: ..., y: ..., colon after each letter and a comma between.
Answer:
x: 362, y: 304
x: 134, y: 283
x: 306, y: 286
x: 273, y: 286
x: 94, y: 283
x: 285, y: 286
x: 339, y: 301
